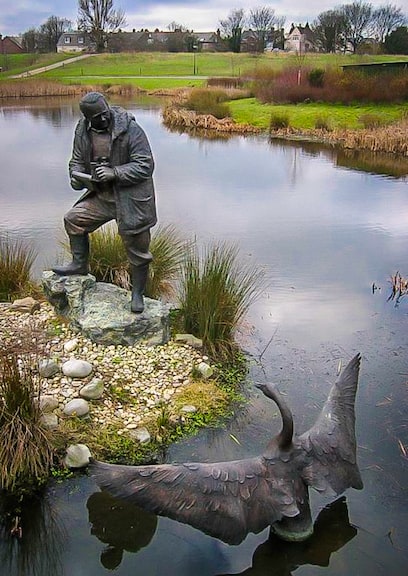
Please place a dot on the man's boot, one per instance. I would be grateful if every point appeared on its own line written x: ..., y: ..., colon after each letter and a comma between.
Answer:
x: 80, y: 255
x: 139, y: 279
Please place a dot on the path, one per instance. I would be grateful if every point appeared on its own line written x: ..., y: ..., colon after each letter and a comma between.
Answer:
x: 51, y: 66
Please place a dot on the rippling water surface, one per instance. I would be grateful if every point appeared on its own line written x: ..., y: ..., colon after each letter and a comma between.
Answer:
x: 329, y: 229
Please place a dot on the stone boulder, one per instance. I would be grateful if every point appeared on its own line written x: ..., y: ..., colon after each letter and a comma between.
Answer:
x: 101, y: 311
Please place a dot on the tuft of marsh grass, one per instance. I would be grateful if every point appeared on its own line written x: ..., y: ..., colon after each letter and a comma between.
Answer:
x: 208, y: 101
x: 26, y: 452
x: 108, y: 260
x: 168, y: 249
x: 279, y: 121
x: 16, y: 261
x: 216, y: 291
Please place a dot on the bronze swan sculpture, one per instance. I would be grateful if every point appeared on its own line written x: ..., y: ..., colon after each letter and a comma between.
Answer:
x: 228, y: 500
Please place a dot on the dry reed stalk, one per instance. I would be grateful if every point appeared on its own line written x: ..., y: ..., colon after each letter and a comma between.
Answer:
x: 180, y: 117
x: 391, y: 139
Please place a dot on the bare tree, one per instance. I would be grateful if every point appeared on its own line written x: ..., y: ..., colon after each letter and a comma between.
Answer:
x: 261, y: 21
x: 49, y: 33
x: 29, y: 39
x: 232, y: 29
x: 358, y: 18
x: 386, y: 19
x: 98, y: 18
x: 329, y: 29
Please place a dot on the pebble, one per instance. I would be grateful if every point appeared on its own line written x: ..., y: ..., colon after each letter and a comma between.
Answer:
x: 77, y: 368
x: 143, y: 377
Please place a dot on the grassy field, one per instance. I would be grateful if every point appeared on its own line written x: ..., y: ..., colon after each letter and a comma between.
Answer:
x: 304, y: 116
x: 18, y: 63
x: 182, y: 64
x: 163, y: 71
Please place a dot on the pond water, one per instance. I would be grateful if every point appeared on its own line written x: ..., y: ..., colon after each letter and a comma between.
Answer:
x: 329, y: 229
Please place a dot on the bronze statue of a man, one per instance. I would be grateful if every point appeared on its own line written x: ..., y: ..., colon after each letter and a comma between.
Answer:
x: 111, y: 157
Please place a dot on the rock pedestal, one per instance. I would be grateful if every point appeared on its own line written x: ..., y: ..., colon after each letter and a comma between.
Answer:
x: 101, y: 312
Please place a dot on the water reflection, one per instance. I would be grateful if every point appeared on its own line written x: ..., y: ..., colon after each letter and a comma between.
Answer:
x: 122, y: 526
x: 36, y: 550
x: 324, y: 235
x: 332, y: 531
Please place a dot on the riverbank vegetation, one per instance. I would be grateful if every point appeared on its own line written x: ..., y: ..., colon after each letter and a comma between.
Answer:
x: 16, y: 261
x: 309, y: 96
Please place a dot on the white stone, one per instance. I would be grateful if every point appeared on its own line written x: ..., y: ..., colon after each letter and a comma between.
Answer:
x: 49, y: 420
x: 141, y: 435
x: 48, y: 403
x: 76, y: 407
x: 77, y: 456
x: 205, y: 370
x: 71, y: 345
x: 77, y: 368
x: 48, y: 368
x: 189, y: 409
x: 92, y: 391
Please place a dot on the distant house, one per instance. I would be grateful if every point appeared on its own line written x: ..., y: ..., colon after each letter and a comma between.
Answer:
x: 11, y: 45
x: 300, y: 39
x: 128, y: 41
x: 75, y: 41
x: 249, y: 41
x: 208, y: 41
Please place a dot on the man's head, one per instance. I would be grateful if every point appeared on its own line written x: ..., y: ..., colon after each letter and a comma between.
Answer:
x: 95, y: 109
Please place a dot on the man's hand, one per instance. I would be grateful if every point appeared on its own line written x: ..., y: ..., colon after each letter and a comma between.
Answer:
x: 105, y: 173
x: 76, y: 184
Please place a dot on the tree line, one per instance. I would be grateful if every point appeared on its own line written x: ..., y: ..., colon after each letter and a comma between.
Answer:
x: 345, y: 27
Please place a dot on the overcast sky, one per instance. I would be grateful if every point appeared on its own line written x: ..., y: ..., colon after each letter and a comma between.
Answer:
x: 17, y: 16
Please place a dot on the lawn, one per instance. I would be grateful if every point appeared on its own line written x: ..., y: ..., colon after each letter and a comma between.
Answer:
x: 303, y: 116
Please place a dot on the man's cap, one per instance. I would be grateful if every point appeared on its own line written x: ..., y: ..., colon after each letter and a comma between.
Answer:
x: 92, y: 104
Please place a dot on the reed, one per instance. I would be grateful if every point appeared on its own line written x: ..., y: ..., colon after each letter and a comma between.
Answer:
x: 36, y: 88
x: 26, y: 452
x: 168, y: 249
x: 109, y: 263
x: 216, y: 291
x: 16, y: 261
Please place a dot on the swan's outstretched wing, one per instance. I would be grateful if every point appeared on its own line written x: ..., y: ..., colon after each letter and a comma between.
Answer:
x: 226, y: 499
x: 330, y: 445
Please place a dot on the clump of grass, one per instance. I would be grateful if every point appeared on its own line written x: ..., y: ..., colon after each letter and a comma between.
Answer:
x: 16, y: 261
x: 108, y: 260
x: 371, y: 120
x: 168, y: 249
x: 323, y: 123
x: 216, y: 291
x: 26, y: 452
x: 205, y: 101
x: 279, y: 121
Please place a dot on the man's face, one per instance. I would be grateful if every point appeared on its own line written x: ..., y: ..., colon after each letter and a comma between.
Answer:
x: 100, y: 121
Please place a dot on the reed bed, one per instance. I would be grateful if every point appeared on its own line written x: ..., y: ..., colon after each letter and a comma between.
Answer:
x: 37, y: 88
x: 391, y: 139
x: 175, y: 117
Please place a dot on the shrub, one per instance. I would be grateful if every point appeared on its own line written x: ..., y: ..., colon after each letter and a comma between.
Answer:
x: 279, y: 121
x: 215, y: 293
x: 16, y: 261
x: 26, y: 453
x: 316, y: 77
x: 205, y: 101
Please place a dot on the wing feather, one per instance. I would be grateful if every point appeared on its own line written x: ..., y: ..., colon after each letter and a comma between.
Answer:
x: 226, y: 500
x: 330, y: 445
